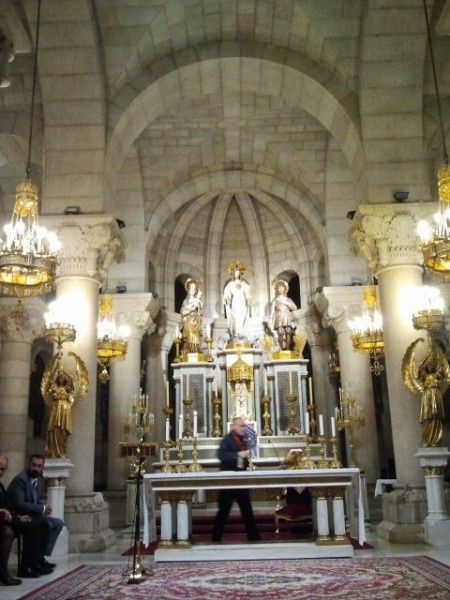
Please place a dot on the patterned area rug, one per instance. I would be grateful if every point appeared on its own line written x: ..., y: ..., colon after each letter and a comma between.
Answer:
x: 363, y: 579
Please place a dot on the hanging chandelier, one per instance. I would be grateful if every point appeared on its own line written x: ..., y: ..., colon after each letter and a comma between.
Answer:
x: 28, y: 251
x: 428, y: 309
x: 367, y: 330
x: 111, y: 340
x: 435, y: 237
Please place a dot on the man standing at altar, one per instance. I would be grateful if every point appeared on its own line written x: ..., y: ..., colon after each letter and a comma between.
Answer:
x: 234, y: 454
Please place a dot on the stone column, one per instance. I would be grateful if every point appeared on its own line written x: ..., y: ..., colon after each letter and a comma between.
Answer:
x: 157, y: 356
x: 309, y: 321
x: 89, y: 243
x: 17, y: 337
x: 132, y: 310
x: 342, y: 303
x: 386, y: 236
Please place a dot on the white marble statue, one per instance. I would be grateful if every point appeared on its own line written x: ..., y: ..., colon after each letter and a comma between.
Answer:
x: 237, y: 297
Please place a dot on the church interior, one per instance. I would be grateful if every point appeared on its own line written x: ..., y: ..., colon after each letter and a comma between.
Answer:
x: 224, y: 210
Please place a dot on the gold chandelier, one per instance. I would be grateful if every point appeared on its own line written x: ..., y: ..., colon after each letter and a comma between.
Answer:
x: 111, y: 340
x: 435, y: 238
x: 367, y: 330
x: 28, y: 251
x: 428, y: 312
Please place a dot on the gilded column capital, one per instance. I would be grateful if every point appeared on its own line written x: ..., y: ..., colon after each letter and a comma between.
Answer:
x: 25, y: 324
x: 338, y: 305
x: 386, y: 234
x: 89, y: 244
x: 136, y: 311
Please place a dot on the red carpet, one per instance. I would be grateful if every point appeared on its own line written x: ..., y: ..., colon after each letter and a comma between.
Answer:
x: 409, y: 578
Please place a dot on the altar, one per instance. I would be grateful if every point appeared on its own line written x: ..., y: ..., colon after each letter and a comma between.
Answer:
x: 176, y: 490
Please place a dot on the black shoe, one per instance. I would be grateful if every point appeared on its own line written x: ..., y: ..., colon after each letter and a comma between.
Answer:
x: 46, y: 563
x: 10, y: 580
x: 44, y: 570
x: 28, y: 573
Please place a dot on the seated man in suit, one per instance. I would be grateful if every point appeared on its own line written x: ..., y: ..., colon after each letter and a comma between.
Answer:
x: 23, y: 498
x: 11, y: 525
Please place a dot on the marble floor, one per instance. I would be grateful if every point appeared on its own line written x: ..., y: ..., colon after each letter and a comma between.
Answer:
x: 113, y: 555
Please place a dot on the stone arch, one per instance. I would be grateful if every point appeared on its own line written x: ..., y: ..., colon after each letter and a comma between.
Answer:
x: 230, y: 76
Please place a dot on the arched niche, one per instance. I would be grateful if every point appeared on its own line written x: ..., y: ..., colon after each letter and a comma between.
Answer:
x: 293, y: 280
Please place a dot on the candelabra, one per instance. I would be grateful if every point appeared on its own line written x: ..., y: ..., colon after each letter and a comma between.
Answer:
x: 209, y: 341
x: 265, y: 401
x: 140, y: 421
x: 180, y: 467
x: 217, y: 419
x: 167, y: 468
x: 195, y: 466
x: 349, y: 416
x: 292, y: 429
x: 307, y: 462
x: 322, y: 463
x: 335, y: 462
x: 177, y: 342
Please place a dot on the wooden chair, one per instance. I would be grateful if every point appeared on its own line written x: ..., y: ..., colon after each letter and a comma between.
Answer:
x: 297, y: 508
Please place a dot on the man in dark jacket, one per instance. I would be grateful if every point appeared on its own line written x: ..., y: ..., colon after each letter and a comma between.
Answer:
x: 11, y: 525
x: 233, y: 455
x: 23, y: 497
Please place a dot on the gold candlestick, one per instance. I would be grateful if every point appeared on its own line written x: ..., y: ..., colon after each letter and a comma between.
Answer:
x: 322, y: 463
x: 350, y: 417
x: 335, y: 463
x: 307, y: 461
x: 180, y: 467
x: 167, y: 468
x: 177, y: 343
x: 209, y: 341
x: 292, y: 429
x: 217, y: 429
x: 265, y: 401
x: 195, y: 466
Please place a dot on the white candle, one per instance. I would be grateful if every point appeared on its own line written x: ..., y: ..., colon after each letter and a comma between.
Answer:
x: 320, y: 424
x: 340, y: 395
x: 167, y: 393
x: 187, y: 387
x: 208, y: 331
x: 180, y: 427
x: 195, y: 423
x: 307, y: 423
x: 290, y: 382
x: 265, y: 384
x: 333, y: 427
x: 177, y: 331
x: 167, y: 430
x: 215, y: 387
x: 311, y: 399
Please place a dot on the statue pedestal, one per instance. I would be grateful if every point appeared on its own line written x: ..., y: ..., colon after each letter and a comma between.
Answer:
x: 56, y: 471
x: 437, y: 522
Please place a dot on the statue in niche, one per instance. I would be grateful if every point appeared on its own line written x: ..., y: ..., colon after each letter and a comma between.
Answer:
x: 237, y: 299
x: 61, y: 391
x: 192, y: 316
x: 427, y: 379
x: 281, y: 315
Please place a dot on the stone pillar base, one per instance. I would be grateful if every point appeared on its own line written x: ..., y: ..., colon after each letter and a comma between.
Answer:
x: 437, y: 531
x: 118, y: 515
x: 404, y: 511
x: 87, y: 519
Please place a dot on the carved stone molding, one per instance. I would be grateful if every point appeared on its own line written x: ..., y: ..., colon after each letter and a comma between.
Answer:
x: 310, y: 321
x: 89, y: 244
x: 135, y: 310
x: 385, y: 234
x: 338, y: 305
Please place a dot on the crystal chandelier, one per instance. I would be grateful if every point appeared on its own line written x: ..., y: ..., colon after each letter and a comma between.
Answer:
x: 435, y: 237
x: 367, y: 330
x: 111, y: 340
x: 28, y: 251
